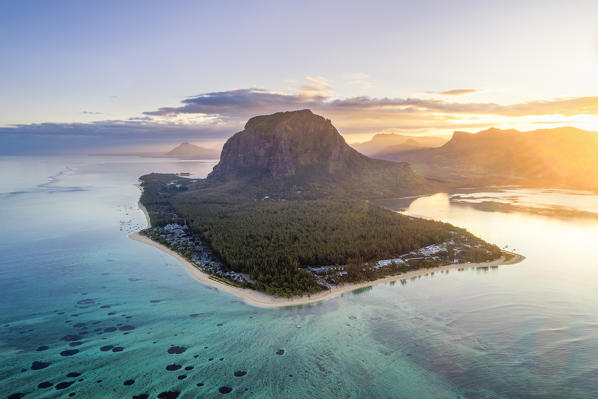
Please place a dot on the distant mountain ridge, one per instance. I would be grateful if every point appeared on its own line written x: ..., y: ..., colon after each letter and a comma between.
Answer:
x: 384, y: 145
x: 192, y: 151
x: 563, y: 157
x: 299, y: 151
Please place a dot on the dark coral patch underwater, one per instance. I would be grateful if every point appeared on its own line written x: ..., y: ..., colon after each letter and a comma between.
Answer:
x: 176, y: 350
x: 37, y: 365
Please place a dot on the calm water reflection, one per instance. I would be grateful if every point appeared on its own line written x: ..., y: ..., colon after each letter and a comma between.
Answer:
x: 67, y: 268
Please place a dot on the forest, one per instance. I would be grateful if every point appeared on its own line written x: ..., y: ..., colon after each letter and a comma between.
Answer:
x: 273, y: 241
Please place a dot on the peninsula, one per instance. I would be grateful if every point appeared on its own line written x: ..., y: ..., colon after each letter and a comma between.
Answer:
x: 284, y: 218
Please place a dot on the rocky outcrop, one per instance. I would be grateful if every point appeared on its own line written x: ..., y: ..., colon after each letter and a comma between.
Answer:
x: 284, y: 144
x: 300, y: 152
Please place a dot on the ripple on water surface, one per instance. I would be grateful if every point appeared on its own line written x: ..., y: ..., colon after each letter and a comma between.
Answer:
x: 121, y: 317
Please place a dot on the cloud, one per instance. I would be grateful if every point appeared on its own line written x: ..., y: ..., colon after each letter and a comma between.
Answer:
x: 455, y: 92
x: 45, y: 138
x: 131, y: 128
x: 241, y: 102
x: 359, y: 79
x: 558, y: 106
x: 91, y: 113
x: 244, y: 102
x: 319, y: 81
x: 316, y: 87
x: 548, y: 122
x: 364, y: 114
x: 219, y: 114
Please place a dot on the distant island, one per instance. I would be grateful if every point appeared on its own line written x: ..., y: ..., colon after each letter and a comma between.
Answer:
x: 186, y: 151
x: 192, y: 151
x: 285, y: 214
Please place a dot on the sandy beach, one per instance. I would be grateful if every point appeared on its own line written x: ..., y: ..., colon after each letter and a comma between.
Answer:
x: 262, y: 300
x: 259, y: 299
x: 144, y: 210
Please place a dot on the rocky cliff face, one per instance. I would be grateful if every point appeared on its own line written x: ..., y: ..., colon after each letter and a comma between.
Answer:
x: 302, y: 154
x: 285, y: 144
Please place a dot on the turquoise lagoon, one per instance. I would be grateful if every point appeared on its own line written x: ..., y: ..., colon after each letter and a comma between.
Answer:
x: 73, y: 287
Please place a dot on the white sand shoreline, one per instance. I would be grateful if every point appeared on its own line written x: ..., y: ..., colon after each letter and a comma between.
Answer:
x: 144, y: 210
x: 262, y: 300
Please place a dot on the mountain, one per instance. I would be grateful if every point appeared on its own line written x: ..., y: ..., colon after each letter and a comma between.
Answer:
x: 288, y: 195
x: 299, y: 152
x: 384, y: 144
x: 561, y: 157
x: 192, y: 151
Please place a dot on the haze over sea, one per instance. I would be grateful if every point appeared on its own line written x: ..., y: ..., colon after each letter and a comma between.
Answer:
x: 81, y: 298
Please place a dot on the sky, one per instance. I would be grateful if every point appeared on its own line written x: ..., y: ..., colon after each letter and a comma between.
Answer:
x: 114, y: 75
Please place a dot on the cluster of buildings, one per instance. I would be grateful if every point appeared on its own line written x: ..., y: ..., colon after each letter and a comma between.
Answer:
x: 327, y: 275
x: 181, y: 239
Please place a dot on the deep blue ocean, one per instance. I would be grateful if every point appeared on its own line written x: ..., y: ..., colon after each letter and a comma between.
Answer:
x: 87, y: 312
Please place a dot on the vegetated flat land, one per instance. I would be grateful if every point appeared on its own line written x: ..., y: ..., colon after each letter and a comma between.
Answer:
x: 275, y: 241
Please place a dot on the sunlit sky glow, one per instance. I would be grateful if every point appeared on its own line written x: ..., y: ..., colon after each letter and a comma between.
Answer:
x: 112, y: 73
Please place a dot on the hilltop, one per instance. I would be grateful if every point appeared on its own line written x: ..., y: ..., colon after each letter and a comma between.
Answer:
x: 561, y: 157
x: 283, y: 212
x: 300, y: 154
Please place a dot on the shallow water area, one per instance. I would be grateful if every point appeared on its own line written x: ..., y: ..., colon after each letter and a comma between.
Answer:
x: 85, y: 310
